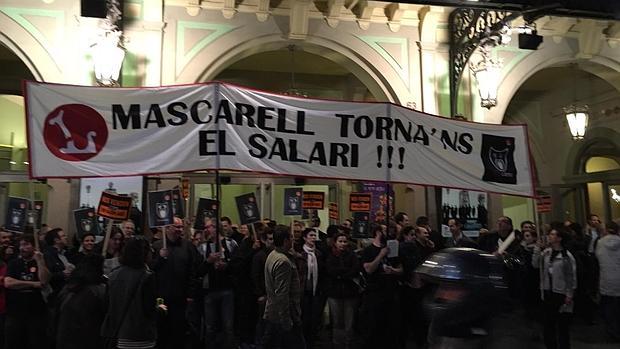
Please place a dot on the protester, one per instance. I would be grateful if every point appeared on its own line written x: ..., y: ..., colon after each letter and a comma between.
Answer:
x: 131, y: 318
x: 588, y: 286
x: 258, y: 278
x: 531, y: 286
x: 380, y: 313
x: 87, y: 247
x: 57, y: 263
x: 81, y: 306
x: 113, y: 252
x: 175, y: 269
x: 6, y: 245
x: 434, y: 235
x: 26, y: 276
x: 458, y: 238
x: 342, y: 268
x: 424, y: 248
x: 311, y: 269
x: 282, y: 308
x: 298, y: 241
x: 217, y: 286
x: 128, y: 228
x: 608, y: 255
x: 558, y: 281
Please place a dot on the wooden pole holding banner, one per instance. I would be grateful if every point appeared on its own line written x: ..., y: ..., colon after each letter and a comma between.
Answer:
x: 218, y: 194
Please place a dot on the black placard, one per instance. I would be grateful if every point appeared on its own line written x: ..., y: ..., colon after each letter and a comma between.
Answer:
x: 361, y: 223
x: 178, y: 208
x: 86, y: 222
x: 292, y: 201
x: 16, y: 214
x: 248, y: 210
x: 38, y: 206
x: 207, y: 209
x: 160, y: 208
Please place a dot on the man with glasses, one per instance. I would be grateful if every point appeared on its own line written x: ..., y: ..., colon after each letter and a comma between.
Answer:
x: 175, y: 269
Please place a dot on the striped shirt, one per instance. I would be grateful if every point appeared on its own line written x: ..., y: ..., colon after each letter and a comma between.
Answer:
x: 133, y: 344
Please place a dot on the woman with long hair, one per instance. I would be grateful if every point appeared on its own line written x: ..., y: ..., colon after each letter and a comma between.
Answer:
x: 131, y: 320
x: 558, y: 281
x: 81, y: 306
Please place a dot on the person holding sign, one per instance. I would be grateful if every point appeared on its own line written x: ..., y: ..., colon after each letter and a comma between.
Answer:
x: 58, y: 265
x: 217, y: 285
x: 175, y: 269
x: 26, y: 276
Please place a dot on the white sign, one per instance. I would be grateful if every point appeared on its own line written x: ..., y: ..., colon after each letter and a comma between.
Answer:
x: 79, y: 131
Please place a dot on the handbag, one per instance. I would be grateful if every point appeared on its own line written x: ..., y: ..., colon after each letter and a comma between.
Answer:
x: 111, y: 342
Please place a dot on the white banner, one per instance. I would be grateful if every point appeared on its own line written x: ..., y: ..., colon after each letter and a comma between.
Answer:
x: 79, y: 131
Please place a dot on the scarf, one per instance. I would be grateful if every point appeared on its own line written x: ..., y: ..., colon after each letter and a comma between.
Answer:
x: 313, y: 267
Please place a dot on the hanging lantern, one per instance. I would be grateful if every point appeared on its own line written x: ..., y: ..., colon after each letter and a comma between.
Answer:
x: 108, y: 58
x: 577, y: 118
x: 487, y: 73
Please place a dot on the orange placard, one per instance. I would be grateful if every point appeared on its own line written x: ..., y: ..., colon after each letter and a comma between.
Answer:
x: 313, y: 200
x: 360, y: 202
x: 333, y: 211
x: 114, y: 207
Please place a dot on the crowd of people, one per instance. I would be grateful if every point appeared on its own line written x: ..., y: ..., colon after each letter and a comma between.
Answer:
x: 286, y: 286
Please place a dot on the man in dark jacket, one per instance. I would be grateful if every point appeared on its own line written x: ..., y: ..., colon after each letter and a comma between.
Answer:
x: 458, y: 239
x: 217, y: 285
x: 58, y: 265
x: 175, y: 269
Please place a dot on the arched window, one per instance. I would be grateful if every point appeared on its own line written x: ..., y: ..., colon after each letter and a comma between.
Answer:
x: 601, y: 163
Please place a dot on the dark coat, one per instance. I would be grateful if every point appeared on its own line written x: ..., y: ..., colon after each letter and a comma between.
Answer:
x: 341, y: 270
x: 258, y: 271
x: 131, y: 291
x: 175, y: 275
x: 80, y: 313
x: 56, y: 268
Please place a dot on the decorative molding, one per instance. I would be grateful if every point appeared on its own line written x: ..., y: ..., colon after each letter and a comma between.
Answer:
x: 185, y: 54
x: 298, y: 20
x: 400, y: 64
x: 394, y: 14
x: 263, y: 11
x: 590, y: 38
x: 50, y: 44
x: 334, y: 10
x: 229, y: 9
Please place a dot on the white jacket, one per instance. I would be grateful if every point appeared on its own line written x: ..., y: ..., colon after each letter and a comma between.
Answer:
x: 608, y: 255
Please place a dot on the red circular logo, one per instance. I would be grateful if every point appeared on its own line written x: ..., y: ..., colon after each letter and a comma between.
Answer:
x: 75, y: 132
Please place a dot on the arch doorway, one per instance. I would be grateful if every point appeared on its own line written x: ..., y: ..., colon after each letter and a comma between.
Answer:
x: 578, y: 174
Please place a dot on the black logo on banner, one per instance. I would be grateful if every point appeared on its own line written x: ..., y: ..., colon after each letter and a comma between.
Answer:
x: 292, y: 201
x: 497, y: 155
x: 86, y: 222
x: 16, y: 219
x: 207, y: 209
x: 248, y: 210
x: 160, y: 208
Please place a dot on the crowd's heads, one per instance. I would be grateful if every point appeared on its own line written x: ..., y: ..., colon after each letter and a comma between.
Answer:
x: 310, y: 236
x: 282, y: 237
x: 315, y: 222
x: 341, y: 242
x: 266, y: 237
x: 174, y: 232
x: 421, y: 233
x: 558, y: 235
x: 26, y: 246
x: 89, y: 271
x: 455, y: 226
x: 402, y: 219
x: 613, y: 227
x: 593, y: 220
x: 88, y: 242
x: 6, y: 238
x: 129, y: 228
x: 136, y: 252
x: 504, y: 225
x: 408, y: 233
x: 422, y: 221
x: 347, y: 223
x: 56, y: 237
